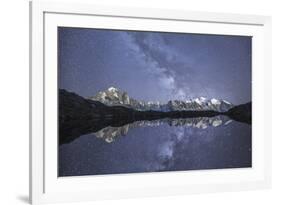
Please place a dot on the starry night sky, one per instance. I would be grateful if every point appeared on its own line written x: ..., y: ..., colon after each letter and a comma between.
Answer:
x: 155, y: 66
x: 159, y: 67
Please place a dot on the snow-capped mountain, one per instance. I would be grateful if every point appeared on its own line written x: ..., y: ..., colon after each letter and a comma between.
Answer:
x: 113, y: 97
x: 199, y: 104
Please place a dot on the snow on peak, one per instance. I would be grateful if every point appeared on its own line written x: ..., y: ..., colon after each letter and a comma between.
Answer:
x: 102, y: 95
x: 112, y: 89
x: 215, y: 101
x: 197, y: 100
x: 203, y: 98
x: 226, y: 102
x: 200, y: 100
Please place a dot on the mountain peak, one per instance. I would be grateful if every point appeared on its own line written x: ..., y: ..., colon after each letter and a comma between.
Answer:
x: 112, y: 89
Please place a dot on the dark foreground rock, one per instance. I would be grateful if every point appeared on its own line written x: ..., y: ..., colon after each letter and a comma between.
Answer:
x: 241, y: 113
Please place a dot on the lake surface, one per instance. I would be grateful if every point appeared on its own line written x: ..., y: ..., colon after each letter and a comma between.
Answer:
x: 163, y: 145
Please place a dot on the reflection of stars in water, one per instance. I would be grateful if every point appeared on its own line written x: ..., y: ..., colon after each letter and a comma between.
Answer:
x: 181, y: 138
x: 160, y: 148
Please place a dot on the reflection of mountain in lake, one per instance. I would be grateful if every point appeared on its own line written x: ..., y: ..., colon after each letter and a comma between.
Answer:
x: 79, y: 116
x: 109, y: 134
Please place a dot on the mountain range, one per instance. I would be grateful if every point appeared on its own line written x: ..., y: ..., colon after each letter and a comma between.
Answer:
x: 114, y: 96
x: 78, y: 115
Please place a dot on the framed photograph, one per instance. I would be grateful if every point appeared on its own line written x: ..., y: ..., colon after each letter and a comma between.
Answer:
x: 129, y: 102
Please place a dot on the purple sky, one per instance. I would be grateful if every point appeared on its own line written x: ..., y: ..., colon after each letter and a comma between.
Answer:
x: 155, y: 66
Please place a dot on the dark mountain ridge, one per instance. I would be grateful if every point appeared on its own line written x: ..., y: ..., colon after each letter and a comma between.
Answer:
x: 241, y: 113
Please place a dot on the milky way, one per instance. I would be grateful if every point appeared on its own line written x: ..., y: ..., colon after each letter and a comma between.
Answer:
x: 155, y: 66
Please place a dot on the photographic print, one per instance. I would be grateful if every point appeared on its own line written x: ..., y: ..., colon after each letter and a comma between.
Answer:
x: 143, y: 101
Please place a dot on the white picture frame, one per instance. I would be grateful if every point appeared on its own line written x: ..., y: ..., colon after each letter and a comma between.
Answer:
x: 46, y: 187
